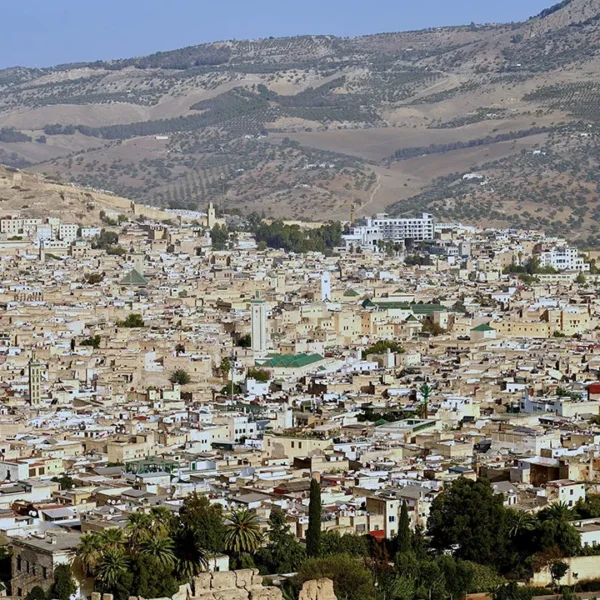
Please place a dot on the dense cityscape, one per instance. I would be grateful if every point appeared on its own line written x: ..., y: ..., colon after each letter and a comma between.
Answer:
x: 195, y: 400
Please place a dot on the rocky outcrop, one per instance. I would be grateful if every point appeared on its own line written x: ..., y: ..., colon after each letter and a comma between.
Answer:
x: 319, y: 589
x: 245, y: 584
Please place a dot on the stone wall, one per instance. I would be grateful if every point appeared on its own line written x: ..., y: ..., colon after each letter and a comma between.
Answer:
x: 245, y: 584
x: 580, y: 569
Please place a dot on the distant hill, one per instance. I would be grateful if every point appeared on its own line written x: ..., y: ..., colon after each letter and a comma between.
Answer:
x: 306, y: 127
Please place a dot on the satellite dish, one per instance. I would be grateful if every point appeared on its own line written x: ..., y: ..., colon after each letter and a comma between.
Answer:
x: 33, y: 513
x: 82, y: 426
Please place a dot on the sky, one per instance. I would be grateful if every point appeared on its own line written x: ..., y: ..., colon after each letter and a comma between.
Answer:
x: 40, y: 33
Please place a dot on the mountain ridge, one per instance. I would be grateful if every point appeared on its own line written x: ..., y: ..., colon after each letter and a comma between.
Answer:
x: 310, y: 126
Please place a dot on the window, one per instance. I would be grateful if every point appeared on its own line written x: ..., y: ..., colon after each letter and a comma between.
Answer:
x: 18, y: 565
x: 300, y: 445
x: 44, y: 572
x: 391, y: 519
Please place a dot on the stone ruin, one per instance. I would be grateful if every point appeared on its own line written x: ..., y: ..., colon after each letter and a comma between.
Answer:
x: 245, y: 584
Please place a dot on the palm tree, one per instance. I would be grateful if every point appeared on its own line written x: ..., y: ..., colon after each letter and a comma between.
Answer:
x: 242, y: 534
x: 161, y: 550
x: 519, y: 521
x: 138, y: 529
x: 89, y: 552
x: 114, y: 564
x: 112, y: 539
x: 559, y: 511
x: 192, y: 559
x: 162, y: 520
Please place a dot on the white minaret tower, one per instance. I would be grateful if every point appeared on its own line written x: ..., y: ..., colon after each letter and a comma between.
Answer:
x: 211, y: 218
x: 326, y: 286
x: 259, y: 326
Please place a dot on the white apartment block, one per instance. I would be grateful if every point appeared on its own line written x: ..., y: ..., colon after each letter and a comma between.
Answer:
x: 67, y: 232
x: 382, y: 228
x: 563, y: 259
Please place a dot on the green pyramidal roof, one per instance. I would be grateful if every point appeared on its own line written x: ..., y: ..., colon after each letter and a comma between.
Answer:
x: 292, y: 360
x: 134, y: 278
x: 483, y: 327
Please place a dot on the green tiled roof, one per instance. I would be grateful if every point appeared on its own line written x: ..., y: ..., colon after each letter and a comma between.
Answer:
x: 134, y: 278
x: 291, y: 361
x: 350, y: 293
x: 483, y: 327
x: 418, y: 309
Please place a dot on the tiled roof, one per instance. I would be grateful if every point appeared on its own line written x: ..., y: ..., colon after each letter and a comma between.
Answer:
x: 290, y: 361
x: 134, y: 278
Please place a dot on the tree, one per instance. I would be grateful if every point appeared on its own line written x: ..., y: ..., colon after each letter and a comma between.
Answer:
x: 105, y: 239
x: 64, y: 585
x: 132, y: 320
x: 519, y: 521
x: 36, y: 593
x: 160, y: 549
x: 180, y: 377
x: 245, y: 341
x: 163, y: 520
x: 259, y: 374
x: 219, y: 237
x: 242, y: 534
x: 354, y: 545
x: 112, y: 539
x: 432, y: 328
x: 139, y: 530
x: 191, y: 556
x: 351, y: 579
x: 152, y: 579
x: 89, y: 552
x: 580, y: 279
x: 383, y: 346
x: 225, y: 367
x: 114, y: 564
x: 205, y: 520
x: 313, y: 533
x: 558, y: 570
x: 65, y: 481
x: 469, y: 519
x: 93, y: 278
x: 282, y: 554
x: 404, y: 540
x: 93, y: 342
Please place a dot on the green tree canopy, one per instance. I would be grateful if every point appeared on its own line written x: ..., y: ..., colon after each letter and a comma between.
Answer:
x: 468, y: 518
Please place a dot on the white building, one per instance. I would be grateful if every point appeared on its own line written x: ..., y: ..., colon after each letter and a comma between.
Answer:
x: 67, y: 232
x: 563, y: 259
x: 382, y: 228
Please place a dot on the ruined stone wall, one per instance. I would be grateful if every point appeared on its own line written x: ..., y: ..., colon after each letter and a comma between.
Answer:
x: 245, y: 584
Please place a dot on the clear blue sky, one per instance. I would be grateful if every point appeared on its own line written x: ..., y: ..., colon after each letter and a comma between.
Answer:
x: 48, y: 32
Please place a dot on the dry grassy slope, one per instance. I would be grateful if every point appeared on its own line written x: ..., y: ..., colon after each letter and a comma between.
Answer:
x: 575, y: 12
x: 31, y: 195
x: 388, y: 92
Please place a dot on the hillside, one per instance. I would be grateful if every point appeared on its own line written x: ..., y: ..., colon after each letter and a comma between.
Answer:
x: 309, y: 126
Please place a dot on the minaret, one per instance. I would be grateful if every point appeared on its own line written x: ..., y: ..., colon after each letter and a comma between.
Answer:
x: 259, y: 326
x: 326, y: 286
x: 138, y: 262
x: 211, y: 218
x: 35, y: 382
